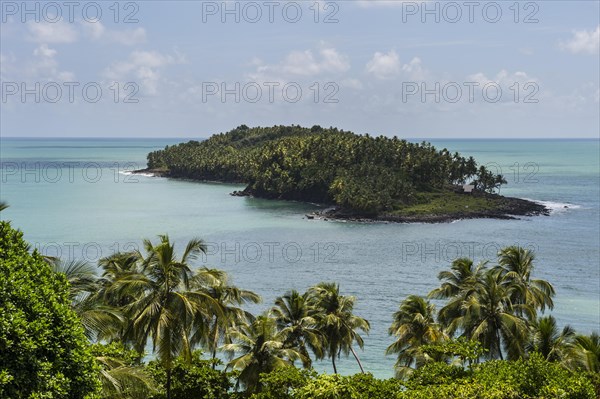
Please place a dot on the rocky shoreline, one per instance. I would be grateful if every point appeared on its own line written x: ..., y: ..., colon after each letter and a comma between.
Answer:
x: 508, y: 208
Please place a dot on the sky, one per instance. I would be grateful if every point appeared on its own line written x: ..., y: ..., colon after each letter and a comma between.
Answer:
x: 465, y: 69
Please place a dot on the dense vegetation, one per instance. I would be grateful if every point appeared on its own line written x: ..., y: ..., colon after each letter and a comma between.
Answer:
x: 362, y: 174
x: 154, y: 299
x: 43, y: 352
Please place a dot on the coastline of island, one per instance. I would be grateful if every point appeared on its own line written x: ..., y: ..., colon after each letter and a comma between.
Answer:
x: 356, y: 177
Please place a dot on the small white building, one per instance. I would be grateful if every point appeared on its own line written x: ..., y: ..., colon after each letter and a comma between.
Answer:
x: 468, y: 188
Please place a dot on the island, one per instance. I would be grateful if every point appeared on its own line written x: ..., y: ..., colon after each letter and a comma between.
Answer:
x: 356, y: 177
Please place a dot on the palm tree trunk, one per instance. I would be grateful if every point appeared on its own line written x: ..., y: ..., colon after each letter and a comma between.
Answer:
x: 498, y: 345
x: 215, y: 342
x: 168, y: 383
x: 357, y: 359
x: 333, y: 362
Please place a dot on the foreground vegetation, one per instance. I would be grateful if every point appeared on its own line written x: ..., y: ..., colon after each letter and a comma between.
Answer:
x: 363, y: 175
x: 156, y: 300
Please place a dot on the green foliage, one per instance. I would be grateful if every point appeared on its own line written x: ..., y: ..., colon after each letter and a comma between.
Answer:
x: 362, y: 174
x: 462, y: 349
x: 369, y: 387
x: 328, y: 387
x: 195, y: 379
x: 122, y: 373
x: 283, y: 383
x: 532, y: 378
x: 43, y: 350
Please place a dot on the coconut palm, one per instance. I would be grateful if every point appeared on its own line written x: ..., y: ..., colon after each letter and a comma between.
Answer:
x: 586, y: 352
x: 414, y: 325
x: 99, y: 321
x: 547, y: 340
x: 163, y: 304
x: 515, y: 265
x: 122, y: 380
x: 491, y: 318
x: 80, y: 275
x: 295, y: 316
x: 3, y: 206
x: 214, y: 330
x: 458, y: 284
x: 336, y: 322
x: 261, y: 349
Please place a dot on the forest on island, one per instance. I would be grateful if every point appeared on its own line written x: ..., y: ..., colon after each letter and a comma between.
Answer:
x: 361, y: 174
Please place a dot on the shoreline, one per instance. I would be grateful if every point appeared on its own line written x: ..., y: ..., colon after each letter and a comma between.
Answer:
x: 510, y: 208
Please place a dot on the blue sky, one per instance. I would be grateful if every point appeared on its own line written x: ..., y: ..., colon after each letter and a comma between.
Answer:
x: 189, y: 69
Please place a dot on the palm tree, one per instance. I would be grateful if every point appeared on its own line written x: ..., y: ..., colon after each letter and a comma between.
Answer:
x: 3, y: 206
x: 491, y: 318
x: 586, y: 352
x: 547, y: 340
x: 414, y: 326
x: 295, y: 316
x: 100, y: 321
x: 458, y: 284
x: 261, y: 349
x: 336, y: 322
x: 515, y: 265
x: 122, y: 380
x: 80, y: 275
x: 210, y: 332
x: 163, y: 304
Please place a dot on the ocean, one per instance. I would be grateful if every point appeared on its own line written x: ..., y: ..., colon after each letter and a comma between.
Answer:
x: 76, y: 198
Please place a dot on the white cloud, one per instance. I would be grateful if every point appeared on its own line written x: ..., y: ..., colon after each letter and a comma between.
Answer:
x: 46, y: 67
x: 142, y: 67
x: 586, y: 42
x: 305, y: 63
x: 503, y: 78
x: 57, y: 32
x: 385, y: 66
x: 130, y: 37
x: 352, y: 84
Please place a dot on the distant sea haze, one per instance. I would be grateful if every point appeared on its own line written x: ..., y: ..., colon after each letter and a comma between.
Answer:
x: 75, y: 198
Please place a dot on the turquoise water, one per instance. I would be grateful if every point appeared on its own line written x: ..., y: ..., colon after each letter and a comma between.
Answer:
x: 74, y: 198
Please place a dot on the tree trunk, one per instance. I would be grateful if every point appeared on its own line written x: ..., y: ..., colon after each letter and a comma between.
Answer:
x: 333, y: 362
x: 357, y: 360
x: 215, y: 343
x: 169, y: 383
x: 498, y: 346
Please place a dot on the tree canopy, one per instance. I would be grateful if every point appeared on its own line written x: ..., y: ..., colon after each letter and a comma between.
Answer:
x: 360, y: 173
x: 43, y: 350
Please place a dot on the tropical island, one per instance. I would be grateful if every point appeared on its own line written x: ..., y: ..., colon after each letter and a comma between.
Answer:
x: 357, y: 177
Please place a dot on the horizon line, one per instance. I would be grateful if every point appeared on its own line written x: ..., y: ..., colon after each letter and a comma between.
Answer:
x: 206, y: 137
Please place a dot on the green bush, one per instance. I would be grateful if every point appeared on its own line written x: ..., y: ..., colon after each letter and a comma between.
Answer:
x: 194, y: 380
x: 43, y: 351
x: 497, y: 379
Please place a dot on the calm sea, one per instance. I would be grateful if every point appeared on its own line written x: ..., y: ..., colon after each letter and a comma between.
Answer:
x: 75, y: 198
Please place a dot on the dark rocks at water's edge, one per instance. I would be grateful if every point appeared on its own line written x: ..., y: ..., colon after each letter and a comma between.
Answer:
x: 153, y: 172
x: 509, y: 209
x: 242, y: 193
